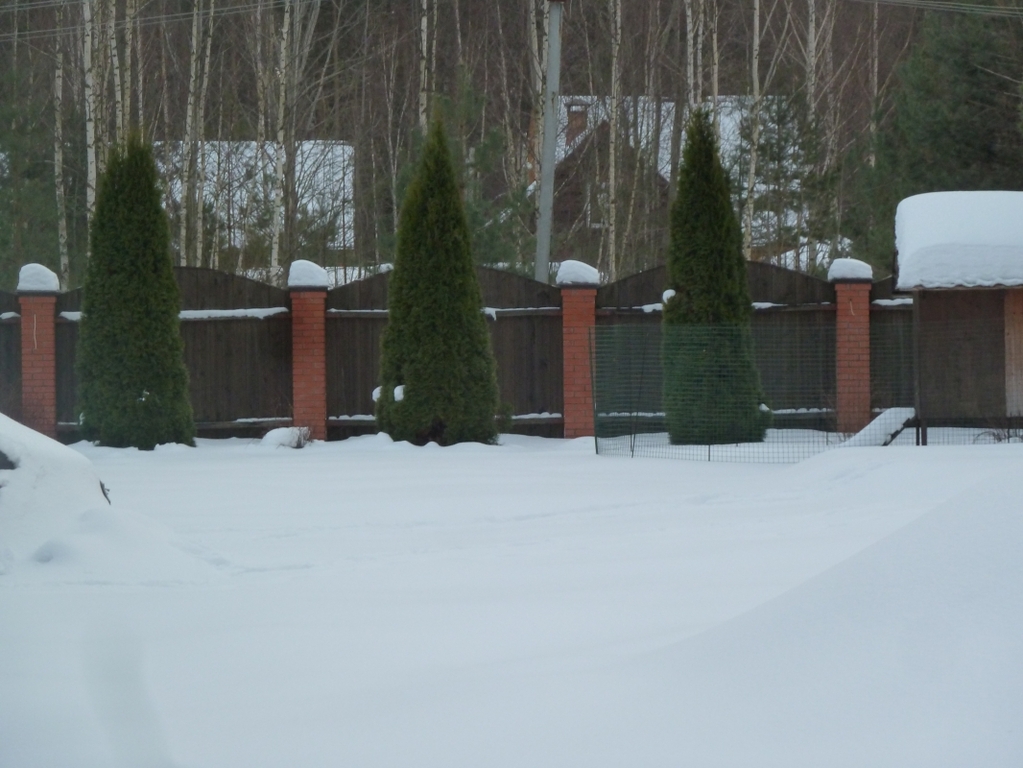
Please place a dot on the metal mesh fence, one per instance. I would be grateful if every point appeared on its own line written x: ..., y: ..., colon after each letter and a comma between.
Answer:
x: 715, y: 393
x: 971, y: 381
x: 686, y: 392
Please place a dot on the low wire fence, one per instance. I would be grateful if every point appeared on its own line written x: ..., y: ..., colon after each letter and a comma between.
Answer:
x: 768, y: 393
x: 715, y: 393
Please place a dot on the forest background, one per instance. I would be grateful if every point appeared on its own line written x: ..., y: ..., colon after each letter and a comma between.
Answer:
x: 288, y: 129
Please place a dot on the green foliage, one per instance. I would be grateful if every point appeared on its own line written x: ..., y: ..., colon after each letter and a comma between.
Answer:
x: 28, y: 209
x: 436, y: 344
x: 133, y: 381
x: 711, y: 385
x: 954, y: 125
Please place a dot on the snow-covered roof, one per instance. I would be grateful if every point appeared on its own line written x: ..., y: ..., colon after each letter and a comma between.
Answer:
x: 960, y: 240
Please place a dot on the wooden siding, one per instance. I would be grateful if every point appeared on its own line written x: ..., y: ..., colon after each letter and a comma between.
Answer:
x: 767, y: 283
x: 962, y: 355
x: 10, y: 357
x: 1014, y: 352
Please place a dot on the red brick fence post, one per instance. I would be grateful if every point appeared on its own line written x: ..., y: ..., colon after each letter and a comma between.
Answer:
x: 853, y: 280
x: 578, y: 318
x: 307, y: 283
x: 37, y: 294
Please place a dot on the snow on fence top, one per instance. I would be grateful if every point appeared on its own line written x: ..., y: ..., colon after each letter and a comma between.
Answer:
x: 849, y: 269
x: 571, y: 272
x: 960, y: 240
x: 35, y: 278
x: 306, y: 274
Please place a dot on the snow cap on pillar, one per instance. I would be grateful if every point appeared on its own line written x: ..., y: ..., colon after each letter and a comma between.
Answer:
x: 850, y: 271
x: 571, y: 272
x: 35, y: 278
x: 306, y: 274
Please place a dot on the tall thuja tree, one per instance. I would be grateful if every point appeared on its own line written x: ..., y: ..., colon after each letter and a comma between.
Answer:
x: 711, y: 385
x: 953, y: 125
x: 437, y: 372
x: 134, y: 385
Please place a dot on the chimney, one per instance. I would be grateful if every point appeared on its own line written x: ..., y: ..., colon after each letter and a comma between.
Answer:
x: 577, y: 117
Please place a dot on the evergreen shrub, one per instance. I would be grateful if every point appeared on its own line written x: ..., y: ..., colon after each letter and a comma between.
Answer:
x: 133, y: 383
x: 437, y: 372
x: 711, y: 385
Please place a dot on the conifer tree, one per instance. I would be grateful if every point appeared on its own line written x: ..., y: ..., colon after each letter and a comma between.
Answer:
x: 133, y: 382
x: 437, y: 371
x: 711, y: 385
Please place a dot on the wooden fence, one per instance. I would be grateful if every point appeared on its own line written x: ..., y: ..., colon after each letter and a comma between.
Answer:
x: 238, y: 345
x: 10, y: 355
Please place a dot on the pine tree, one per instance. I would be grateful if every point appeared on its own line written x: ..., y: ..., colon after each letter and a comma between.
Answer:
x: 953, y: 125
x: 437, y: 372
x: 711, y: 385
x: 133, y: 381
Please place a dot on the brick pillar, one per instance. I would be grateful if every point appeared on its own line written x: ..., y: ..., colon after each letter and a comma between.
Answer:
x: 578, y: 317
x: 852, y: 355
x: 39, y: 362
x: 309, y: 360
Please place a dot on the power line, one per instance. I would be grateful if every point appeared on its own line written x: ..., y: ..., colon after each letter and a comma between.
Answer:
x: 951, y: 7
x: 140, y: 21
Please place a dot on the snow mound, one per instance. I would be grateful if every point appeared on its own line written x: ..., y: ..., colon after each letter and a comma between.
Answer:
x: 286, y: 437
x: 306, y: 274
x: 572, y: 272
x: 849, y: 269
x: 44, y: 487
x: 57, y: 524
x: 960, y: 240
x: 882, y: 429
x: 35, y: 278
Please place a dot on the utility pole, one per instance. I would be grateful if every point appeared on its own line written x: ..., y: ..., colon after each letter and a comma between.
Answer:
x: 545, y: 211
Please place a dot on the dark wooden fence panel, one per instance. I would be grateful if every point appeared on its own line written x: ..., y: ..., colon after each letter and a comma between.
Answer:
x: 67, y: 378
x: 503, y: 289
x: 530, y: 367
x: 778, y: 285
x: 67, y: 346
x: 795, y: 354
x: 10, y: 357
x: 353, y: 362
x: 370, y: 293
x: 203, y: 288
x: 962, y: 355
x: 767, y: 283
x: 891, y: 357
x: 635, y: 290
x: 238, y: 368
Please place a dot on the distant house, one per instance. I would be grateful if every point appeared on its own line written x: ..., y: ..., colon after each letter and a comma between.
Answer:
x: 645, y: 171
x: 961, y: 254
x: 238, y: 187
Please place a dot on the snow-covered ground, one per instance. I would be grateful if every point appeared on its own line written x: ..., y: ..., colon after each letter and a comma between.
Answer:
x: 366, y: 603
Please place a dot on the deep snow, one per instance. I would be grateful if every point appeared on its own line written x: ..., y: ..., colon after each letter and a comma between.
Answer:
x: 530, y: 604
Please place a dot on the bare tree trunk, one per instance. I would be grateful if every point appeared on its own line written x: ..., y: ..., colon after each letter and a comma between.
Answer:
x: 680, y: 111
x: 811, y: 60
x: 187, y: 177
x: 282, y: 73
x: 612, y: 169
x: 115, y: 62
x: 88, y: 47
x: 715, y: 69
x: 139, y: 101
x: 751, y: 178
x: 691, y: 53
x: 201, y: 132
x: 872, y: 157
x: 424, y: 71
x: 58, y: 157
